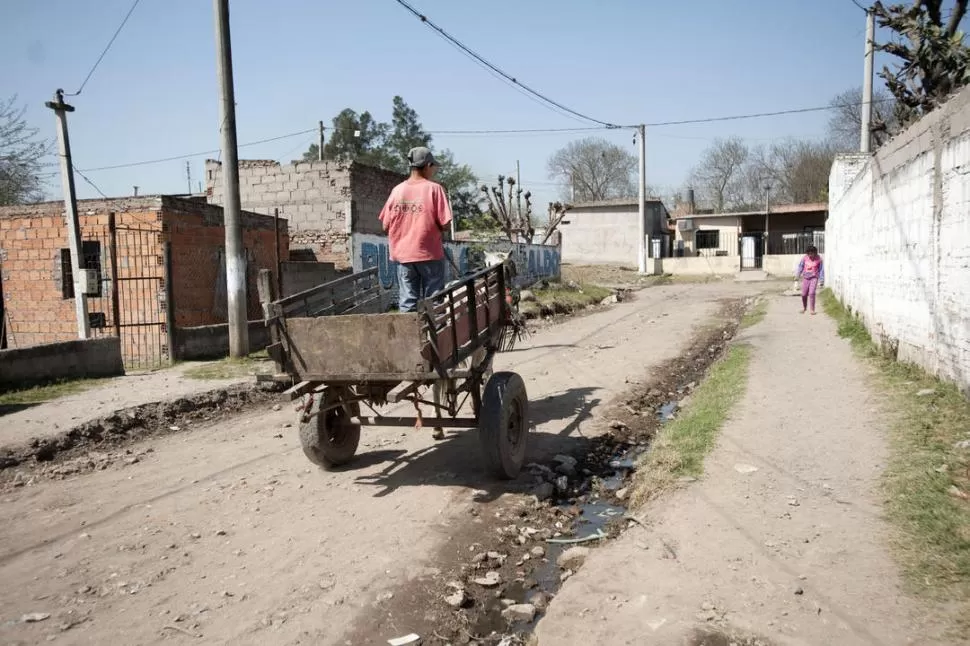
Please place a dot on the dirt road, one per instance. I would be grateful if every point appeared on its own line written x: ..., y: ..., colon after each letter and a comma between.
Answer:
x: 783, y: 541
x: 27, y: 421
x: 228, y: 534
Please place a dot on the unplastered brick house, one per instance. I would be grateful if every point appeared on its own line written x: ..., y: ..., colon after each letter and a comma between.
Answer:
x: 324, y: 202
x: 153, y: 257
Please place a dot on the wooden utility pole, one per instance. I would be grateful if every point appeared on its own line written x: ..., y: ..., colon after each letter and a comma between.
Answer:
x: 235, y: 254
x: 866, y: 134
x: 70, y: 210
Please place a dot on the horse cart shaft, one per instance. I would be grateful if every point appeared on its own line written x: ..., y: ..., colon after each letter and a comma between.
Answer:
x: 348, y: 357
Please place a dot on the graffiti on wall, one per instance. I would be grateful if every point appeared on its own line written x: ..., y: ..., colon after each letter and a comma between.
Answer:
x: 532, y: 262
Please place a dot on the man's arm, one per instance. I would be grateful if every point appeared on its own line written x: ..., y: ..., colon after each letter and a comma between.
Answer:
x: 385, y: 213
x: 443, y: 213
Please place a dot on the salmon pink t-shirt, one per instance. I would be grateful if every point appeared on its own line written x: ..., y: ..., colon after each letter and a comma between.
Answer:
x: 413, y: 217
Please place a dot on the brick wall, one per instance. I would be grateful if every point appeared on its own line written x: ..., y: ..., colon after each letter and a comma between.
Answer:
x: 898, y: 240
x: 323, y: 202
x: 31, y: 240
x: 197, y: 234
x: 32, y: 237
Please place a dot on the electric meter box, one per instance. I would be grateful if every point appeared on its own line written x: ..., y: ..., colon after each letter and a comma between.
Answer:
x: 89, y: 282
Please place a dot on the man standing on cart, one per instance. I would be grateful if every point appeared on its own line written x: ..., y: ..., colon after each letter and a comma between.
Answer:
x: 414, y: 217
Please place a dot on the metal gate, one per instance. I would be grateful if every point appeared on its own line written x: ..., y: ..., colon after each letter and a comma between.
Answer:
x: 132, y: 303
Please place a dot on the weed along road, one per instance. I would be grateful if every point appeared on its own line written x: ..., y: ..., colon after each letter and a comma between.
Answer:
x: 225, y: 533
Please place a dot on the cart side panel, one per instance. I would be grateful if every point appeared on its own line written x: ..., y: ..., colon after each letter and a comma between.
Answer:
x: 459, y: 336
x: 356, y: 344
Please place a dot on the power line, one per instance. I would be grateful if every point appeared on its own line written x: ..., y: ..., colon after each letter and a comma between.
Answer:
x: 656, y: 124
x: 197, y: 154
x: 93, y: 185
x: 856, y: 3
x: 107, y: 47
x: 464, y: 48
x: 756, y: 115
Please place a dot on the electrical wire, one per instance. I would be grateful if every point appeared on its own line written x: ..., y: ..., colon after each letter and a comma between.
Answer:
x: 856, y: 3
x: 93, y: 185
x: 758, y: 115
x: 493, y: 68
x: 655, y: 124
x: 107, y: 47
x: 197, y: 154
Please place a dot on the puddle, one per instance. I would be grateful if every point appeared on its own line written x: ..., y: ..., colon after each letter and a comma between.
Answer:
x: 666, y: 412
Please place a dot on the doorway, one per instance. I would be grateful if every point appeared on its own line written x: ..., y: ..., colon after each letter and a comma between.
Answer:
x: 752, y: 251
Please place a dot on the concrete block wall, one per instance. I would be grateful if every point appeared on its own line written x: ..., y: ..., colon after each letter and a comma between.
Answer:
x: 77, y: 359
x: 898, y: 240
x: 323, y: 202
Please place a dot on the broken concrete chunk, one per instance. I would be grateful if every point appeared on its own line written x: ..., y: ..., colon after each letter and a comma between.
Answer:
x: 573, y: 558
x: 520, y: 612
x: 490, y: 580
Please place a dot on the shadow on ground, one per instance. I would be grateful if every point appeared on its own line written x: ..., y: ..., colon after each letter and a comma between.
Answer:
x: 10, y: 409
x: 457, y: 460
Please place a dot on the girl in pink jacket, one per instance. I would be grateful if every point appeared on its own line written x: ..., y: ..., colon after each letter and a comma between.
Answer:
x: 812, y: 272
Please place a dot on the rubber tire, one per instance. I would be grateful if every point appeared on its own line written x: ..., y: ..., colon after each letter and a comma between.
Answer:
x: 504, y: 397
x: 318, y: 445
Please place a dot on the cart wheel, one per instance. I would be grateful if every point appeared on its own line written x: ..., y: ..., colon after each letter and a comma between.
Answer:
x: 330, y: 439
x: 503, y: 424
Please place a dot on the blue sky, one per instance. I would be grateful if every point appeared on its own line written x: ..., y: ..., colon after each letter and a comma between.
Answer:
x: 299, y: 61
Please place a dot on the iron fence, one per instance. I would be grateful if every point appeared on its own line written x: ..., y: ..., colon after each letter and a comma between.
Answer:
x: 795, y: 243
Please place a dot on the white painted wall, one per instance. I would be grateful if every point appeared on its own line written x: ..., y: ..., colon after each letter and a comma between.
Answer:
x: 898, y: 240
x: 699, y: 265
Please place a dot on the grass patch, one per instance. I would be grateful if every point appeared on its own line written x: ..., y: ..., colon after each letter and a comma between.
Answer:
x: 48, y: 392
x: 755, y: 314
x: 560, y: 298
x: 256, y: 363
x: 682, y: 444
x: 626, y: 278
x: 927, y: 474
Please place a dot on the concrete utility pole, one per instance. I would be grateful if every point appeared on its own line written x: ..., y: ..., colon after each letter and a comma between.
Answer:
x: 642, y: 183
x: 518, y: 193
x: 235, y: 255
x: 320, y: 144
x: 188, y: 175
x: 866, y: 134
x: 70, y: 209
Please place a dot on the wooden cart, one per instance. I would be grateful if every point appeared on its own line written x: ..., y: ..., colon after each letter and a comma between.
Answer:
x: 348, y: 359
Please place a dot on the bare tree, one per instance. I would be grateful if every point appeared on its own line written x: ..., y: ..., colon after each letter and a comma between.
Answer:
x: 845, y: 124
x: 798, y: 171
x: 720, y: 174
x: 595, y: 169
x: 21, y: 156
x: 933, y: 63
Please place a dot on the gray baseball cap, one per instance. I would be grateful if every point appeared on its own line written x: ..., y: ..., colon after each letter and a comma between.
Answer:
x: 420, y: 157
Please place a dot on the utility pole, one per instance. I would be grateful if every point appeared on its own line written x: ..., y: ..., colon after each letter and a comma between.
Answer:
x: 70, y: 210
x: 188, y: 175
x: 320, y: 144
x: 866, y: 134
x: 235, y: 258
x: 518, y: 194
x: 642, y: 183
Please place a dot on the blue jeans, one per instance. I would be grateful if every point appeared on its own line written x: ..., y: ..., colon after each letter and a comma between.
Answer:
x: 418, y: 280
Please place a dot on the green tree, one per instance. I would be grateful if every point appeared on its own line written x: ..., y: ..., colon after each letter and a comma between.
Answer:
x: 406, y: 132
x: 361, y: 138
x: 354, y: 137
x: 461, y: 184
x: 934, y: 61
